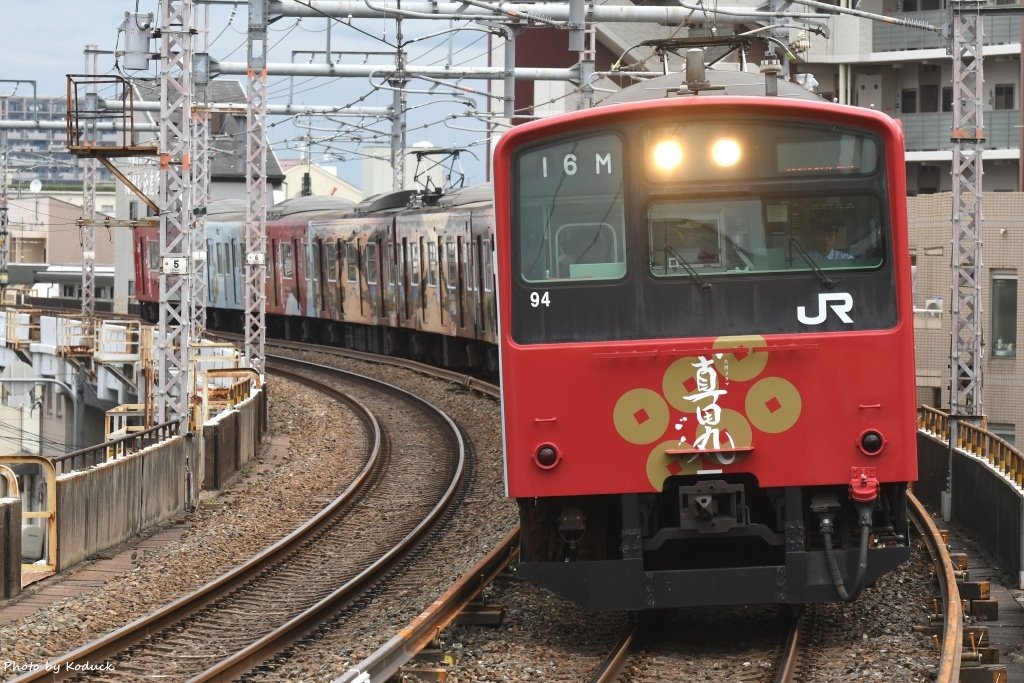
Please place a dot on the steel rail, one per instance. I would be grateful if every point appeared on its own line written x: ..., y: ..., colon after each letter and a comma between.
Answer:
x: 387, y: 660
x: 245, y: 660
x: 790, y: 651
x: 118, y: 640
x: 953, y: 621
x: 613, y: 665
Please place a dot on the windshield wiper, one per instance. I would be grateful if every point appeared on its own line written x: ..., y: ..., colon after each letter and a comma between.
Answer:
x: 822, y: 275
x: 704, y: 284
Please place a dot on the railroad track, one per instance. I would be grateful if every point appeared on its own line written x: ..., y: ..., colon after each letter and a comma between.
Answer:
x: 638, y: 655
x: 415, y: 463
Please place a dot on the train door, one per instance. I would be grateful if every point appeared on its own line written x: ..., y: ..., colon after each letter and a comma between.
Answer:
x: 431, y: 291
x: 273, y: 276
x: 316, y: 258
x: 299, y: 285
x: 288, y: 296
x: 153, y: 261
x: 456, y: 290
x: 214, y: 289
x: 465, y: 281
x: 332, y: 298
x: 414, y: 288
x: 351, y: 284
x: 406, y: 288
x: 486, y: 291
x: 236, y: 276
x: 372, y: 270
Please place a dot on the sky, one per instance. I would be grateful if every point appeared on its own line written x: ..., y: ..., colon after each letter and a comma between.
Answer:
x: 43, y: 41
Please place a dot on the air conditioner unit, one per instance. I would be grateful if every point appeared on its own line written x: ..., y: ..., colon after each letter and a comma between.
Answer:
x: 933, y: 306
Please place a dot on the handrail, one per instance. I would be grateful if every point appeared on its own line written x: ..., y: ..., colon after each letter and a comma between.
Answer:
x: 113, y: 449
x: 977, y: 441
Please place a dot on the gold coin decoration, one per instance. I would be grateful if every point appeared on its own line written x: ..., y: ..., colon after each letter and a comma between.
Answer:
x: 773, y: 405
x: 738, y: 366
x: 640, y: 416
x: 661, y: 465
x: 692, y: 384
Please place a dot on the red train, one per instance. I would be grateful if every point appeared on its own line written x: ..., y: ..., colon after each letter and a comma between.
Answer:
x: 706, y: 352
x: 377, y: 276
x: 707, y: 362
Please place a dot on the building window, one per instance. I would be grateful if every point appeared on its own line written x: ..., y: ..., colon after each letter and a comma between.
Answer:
x: 1003, y: 96
x: 947, y: 99
x: 1005, y: 431
x: 929, y: 98
x: 908, y: 101
x: 1004, y: 314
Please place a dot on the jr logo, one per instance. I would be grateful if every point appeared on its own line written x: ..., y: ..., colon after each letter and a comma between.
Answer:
x: 843, y: 305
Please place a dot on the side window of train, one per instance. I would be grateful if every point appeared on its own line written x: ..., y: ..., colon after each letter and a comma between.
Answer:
x: 390, y: 256
x: 287, y: 264
x: 351, y: 262
x: 332, y: 262
x: 488, y: 266
x: 451, y: 263
x: 470, y: 268
x: 154, y: 255
x: 414, y: 263
x: 432, y: 264
x: 371, y: 263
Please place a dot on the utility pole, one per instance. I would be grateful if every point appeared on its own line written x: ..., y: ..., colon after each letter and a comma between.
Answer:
x: 88, y: 225
x: 256, y: 188
x: 4, y: 234
x: 200, y: 182
x: 398, y: 82
x: 172, y: 385
x: 967, y: 136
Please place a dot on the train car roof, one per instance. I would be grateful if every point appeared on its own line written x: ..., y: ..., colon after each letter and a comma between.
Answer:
x: 309, y: 204
x: 472, y: 194
x: 218, y: 209
x: 742, y: 83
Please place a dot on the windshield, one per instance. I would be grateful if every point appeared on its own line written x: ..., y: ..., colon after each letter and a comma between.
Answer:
x: 743, y: 235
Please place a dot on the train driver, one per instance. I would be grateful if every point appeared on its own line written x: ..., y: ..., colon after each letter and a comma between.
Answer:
x: 823, y: 239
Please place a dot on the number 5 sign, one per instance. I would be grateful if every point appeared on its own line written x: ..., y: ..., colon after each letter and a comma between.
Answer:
x: 175, y: 265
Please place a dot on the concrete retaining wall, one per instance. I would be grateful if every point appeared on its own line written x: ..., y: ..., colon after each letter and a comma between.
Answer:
x: 984, y: 502
x: 232, y: 440
x: 103, y: 506
x: 10, y: 547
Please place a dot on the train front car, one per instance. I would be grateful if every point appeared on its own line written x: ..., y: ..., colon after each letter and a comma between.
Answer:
x: 707, y: 365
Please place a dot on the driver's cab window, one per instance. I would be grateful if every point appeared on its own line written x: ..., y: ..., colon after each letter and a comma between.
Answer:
x: 588, y: 250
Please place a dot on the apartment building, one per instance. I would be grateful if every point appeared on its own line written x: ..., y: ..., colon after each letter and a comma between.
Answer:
x: 41, y: 153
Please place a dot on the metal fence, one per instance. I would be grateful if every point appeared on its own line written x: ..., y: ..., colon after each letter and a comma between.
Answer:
x: 114, y: 449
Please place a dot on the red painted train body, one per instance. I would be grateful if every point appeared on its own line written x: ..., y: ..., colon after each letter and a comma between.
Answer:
x: 380, y: 276
x: 707, y: 363
x: 707, y: 398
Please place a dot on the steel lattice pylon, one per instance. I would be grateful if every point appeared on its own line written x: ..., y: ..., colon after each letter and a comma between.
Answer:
x: 200, y: 199
x: 965, y: 397
x: 4, y: 234
x: 256, y: 189
x: 88, y: 226
x: 967, y: 136
x: 172, y: 385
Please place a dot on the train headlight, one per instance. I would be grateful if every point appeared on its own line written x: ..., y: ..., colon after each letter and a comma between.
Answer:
x: 546, y: 456
x: 871, y: 442
x: 726, y: 152
x: 667, y: 155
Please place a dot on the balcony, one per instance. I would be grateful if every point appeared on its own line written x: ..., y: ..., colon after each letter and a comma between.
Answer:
x: 889, y: 38
x: 928, y: 132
